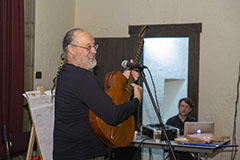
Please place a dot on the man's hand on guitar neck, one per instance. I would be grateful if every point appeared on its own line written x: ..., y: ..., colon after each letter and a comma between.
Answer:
x: 134, y: 73
x: 137, y: 92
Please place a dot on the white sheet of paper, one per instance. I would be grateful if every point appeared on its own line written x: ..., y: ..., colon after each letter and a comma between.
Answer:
x: 42, y: 113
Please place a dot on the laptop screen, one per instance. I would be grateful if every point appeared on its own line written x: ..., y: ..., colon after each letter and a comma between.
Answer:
x: 198, y: 127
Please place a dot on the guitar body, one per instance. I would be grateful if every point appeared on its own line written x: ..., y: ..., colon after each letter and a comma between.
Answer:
x: 120, y: 90
x: 122, y: 134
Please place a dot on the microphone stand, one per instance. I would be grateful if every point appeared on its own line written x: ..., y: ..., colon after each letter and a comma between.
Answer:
x: 158, y: 115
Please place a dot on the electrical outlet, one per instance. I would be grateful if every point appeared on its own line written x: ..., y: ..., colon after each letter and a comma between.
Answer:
x: 38, y: 75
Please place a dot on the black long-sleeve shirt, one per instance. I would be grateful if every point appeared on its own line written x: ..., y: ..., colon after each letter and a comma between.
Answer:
x: 78, y: 91
x: 175, y: 121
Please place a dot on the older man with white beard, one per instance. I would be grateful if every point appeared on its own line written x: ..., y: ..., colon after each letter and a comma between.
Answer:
x: 77, y: 92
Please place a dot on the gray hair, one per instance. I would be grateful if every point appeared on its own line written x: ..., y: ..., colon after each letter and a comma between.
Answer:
x: 68, y: 39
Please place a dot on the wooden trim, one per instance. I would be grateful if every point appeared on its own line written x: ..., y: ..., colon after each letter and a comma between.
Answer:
x: 168, y: 29
x: 191, y: 30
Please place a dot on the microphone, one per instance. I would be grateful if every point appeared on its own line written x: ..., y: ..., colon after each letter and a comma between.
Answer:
x: 126, y: 64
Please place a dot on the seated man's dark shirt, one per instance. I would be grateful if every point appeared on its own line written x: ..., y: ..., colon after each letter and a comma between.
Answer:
x: 175, y: 121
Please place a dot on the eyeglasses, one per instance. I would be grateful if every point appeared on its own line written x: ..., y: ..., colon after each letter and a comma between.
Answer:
x: 87, y: 48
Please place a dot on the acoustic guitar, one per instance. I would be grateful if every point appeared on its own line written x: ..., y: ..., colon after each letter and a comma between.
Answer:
x: 118, y: 87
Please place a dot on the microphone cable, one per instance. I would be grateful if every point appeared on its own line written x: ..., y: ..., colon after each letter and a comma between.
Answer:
x: 158, y: 108
x: 140, y: 146
x: 234, y: 141
x: 154, y: 88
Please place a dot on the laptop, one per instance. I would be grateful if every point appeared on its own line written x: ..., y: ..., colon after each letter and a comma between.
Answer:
x: 198, y: 127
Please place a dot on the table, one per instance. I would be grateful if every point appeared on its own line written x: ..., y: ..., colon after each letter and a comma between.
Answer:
x: 205, y: 151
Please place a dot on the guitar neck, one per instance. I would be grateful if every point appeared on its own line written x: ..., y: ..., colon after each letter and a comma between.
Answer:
x: 136, y: 60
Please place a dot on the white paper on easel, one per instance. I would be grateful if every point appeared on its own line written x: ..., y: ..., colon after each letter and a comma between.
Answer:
x: 42, y: 113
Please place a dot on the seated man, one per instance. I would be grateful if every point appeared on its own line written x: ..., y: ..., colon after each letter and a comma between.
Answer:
x: 185, y: 106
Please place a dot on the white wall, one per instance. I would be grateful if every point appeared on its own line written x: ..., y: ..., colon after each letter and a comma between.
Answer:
x: 53, y: 19
x: 167, y: 59
x: 219, y: 48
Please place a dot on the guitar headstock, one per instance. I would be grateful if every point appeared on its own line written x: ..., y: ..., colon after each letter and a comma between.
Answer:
x: 142, y: 31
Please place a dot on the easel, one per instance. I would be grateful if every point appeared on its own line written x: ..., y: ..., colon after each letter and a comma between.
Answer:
x: 31, y: 143
x: 33, y: 135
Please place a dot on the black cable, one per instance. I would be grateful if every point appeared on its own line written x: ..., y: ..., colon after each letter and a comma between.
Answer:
x: 150, y: 154
x: 154, y: 88
x: 234, y: 141
x: 155, y: 93
x: 170, y: 148
x: 140, y: 146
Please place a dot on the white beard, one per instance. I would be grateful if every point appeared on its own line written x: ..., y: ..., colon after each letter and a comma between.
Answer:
x: 91, y: 64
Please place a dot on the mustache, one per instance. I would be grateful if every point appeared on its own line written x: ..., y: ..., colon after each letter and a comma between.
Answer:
x: 92, y: 55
